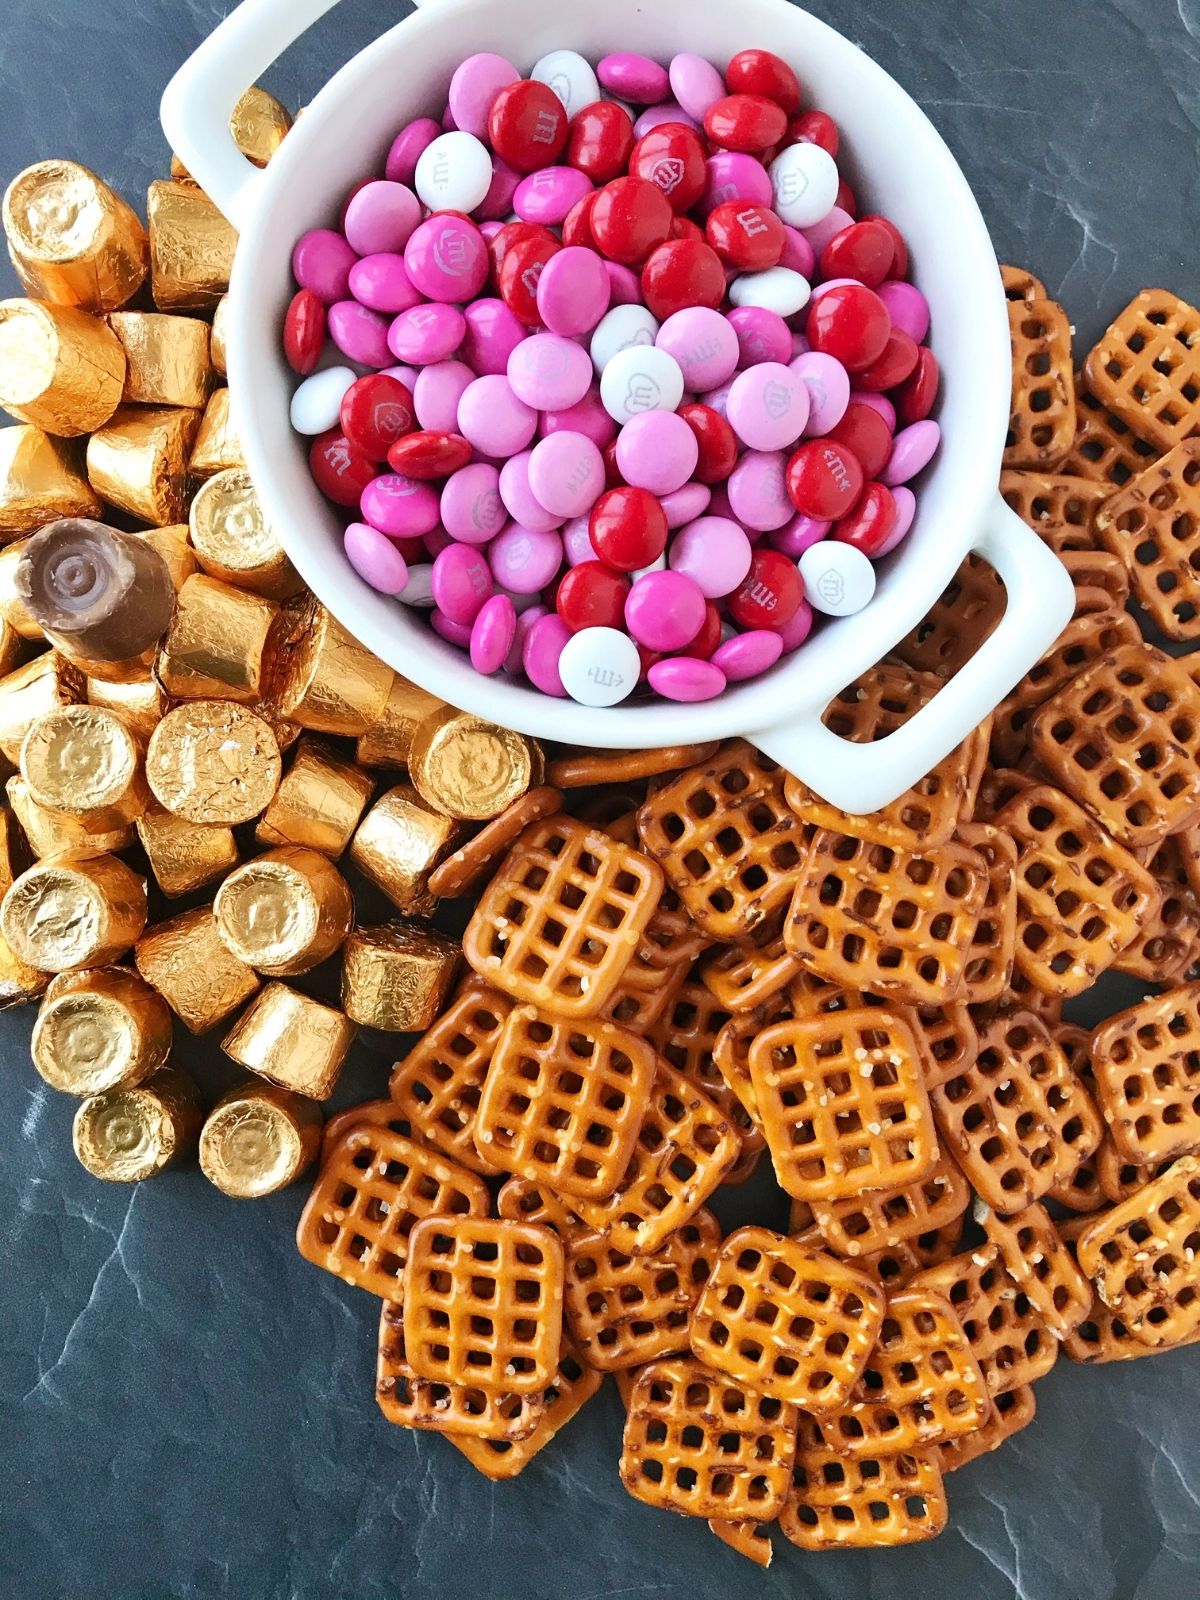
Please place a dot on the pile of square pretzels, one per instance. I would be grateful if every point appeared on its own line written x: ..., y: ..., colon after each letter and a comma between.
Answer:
x: 697, y: 961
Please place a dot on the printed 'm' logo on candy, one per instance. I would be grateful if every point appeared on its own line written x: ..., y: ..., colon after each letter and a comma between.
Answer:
x: 644, y: 392
x: 667, y: 174
x: 777, y: 400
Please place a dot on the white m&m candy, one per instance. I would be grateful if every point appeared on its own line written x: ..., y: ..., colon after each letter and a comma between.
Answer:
x: 838, y: 579
x: 804, y: 184
x: 778, y: 289
x: 599, y: 666
x: 571, y: 78
x: 317, y: 402
x: 621, y: 329
x: 454, y: 173
x: 640, y: 379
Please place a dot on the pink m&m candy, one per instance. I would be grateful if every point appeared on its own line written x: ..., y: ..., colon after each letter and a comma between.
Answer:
x: 494, y: 419
x: 907, y: 307
x: 461, y: 582
x: 695, y: 83
x: 525, y: 561
x: 665, y: 610
x: 912, y: 450
x: 828, y: 385
x: 767, y: 406
x: 634, y: 78
x: 704, y: 343
x: 514, y: 666
x: 407, y: 148
x: 656, y: 450
x: 757, y: 490
x: 715, y: 553
x: 381, y: 217
x: 375, y: 558
x: 493, y: 333
x: 733, y: 176
x: 667, y: 111
x: 686, y: 504
x: 587, y: 416
x: 321, y: 263
x: 360, y: 334
x: 549, y: 372
x: 687, y: 679
x: 905, y: 512
x: 474, y: 87
x: 747, y: 655
x: 447, y: 258
x: 762, y: 335
x: 573, y: 291
x: 522, y: 504
x: 382, y: 283
x: 548, y: 195
x: 566, y: 473
x: 492, y: 634
x: 471, y: 508
x: 543, y: 646
x: 426, y: 334
x: 795, y: 537
x: 436, y: 392
x: 401, y: 506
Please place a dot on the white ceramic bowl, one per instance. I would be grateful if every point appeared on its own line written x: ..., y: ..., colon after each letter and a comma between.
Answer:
x: 897, y: 162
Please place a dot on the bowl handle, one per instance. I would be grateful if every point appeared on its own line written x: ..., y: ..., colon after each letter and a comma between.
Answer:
x: 199, y: 100
x: 861, y: 778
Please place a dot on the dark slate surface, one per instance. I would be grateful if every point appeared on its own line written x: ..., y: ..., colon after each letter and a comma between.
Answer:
x: 185, y: 1407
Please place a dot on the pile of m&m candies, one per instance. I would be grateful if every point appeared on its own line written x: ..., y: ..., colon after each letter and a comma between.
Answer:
x: 613, y: 375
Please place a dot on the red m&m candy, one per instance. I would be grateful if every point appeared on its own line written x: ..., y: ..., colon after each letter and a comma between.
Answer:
x: 671, y: 157
x: 863, y: 431
x: 431, y: 454
x: 592, y: 595
x: 915, y: 396
x: 869, y: 523
x: 745, y: 122
x: 762, y: 72
x: 746, y: 235
x: 376, y: 411
x: 599, y: 140
x: 717, y: 441
x: 304, y: 332
x: 528, y: 125
x: 682, y: 273
x: 630, y: 217
x: 520, y: 273
x: 824, y: 480
x: 864, y: 251
x: 814, y: 127
x: 770, y: 593
x: 850, y: 323
x: 340, y: 470
x: 896, y: 362
x: 628, y: 528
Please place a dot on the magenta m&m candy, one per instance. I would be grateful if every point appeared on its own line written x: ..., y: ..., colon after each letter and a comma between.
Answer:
x: 574, y: 291
x: 665, y: 610
x: 492, y: 634
x: 401, y: 506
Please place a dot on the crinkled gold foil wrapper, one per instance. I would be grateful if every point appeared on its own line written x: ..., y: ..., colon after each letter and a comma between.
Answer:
x: 172, y: 545
x: 183, y: 855
x: 327, y: 681
x: 13, y: 856
x: 72, y: 239
x: 284, y: 912
x: 218, y: 447
x: 51, y: 834
x: 319, y: 803
x: 470, y: 768
x: 68, y: 912
x: 19, y: 982
x: 191, y: 248
x: 84, y: 762
x: 128, y: 1135
x: 388, y: 741
x: 220, y: 644
x: 186, y: 961
x: 397, y: 976
x: 234, y: 541
x: 291, y: 1040
x: 258, y: 1139
x: 13, y: 610
x: 40, y: 479
x: 99, y: 1030
x: 60, y: 369
x: 211, y: 761
x: 259, y: 125
x: 139, y: 461
x: 139, y: 701
x: 167, y: 360
x: 398, y: 844
x: 41, y: 685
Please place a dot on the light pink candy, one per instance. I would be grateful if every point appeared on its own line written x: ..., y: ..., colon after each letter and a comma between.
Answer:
x: 473, y: 89
x: 757, y: 491
x: 666, y: 111
x: 549, y: 372
x: 381, y: 218
x: 436, y: 393
x: 762, y: 335
x: 906, y: 511
x: 798, y: 254
x: 912, y: 450
x: 375, y: 558
x: 796, y: 536
x: 686, y: 504
x: 828, y: 228
x: 522, y: 504
x: 577, y: 541
x: 566, y: 473
x: 768, y: 406
x: 514, y: 667
x: 494, y: 419
x: 748, y: 655
x: 695, y: 83
x: 471, y: 507
x: 461, y: 581
x: 828, y: 386
x: 704, y: 343
x: 573, y: 292
x: 543, y: 646
x: 524, y: 561
x: 714, y: 552
x: 877, y: 402
x: 657, y: 451
x: 492, y: 634
x: 686, y: 678
x: 546, y: 196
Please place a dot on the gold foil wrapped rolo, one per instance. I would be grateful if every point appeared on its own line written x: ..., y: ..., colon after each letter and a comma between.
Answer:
x: 259, y: 124
x: 396, y: 976
x: 13, y: 610
x: 284, y: 912
x: 19, y: 982
x: 73, y: 241
x: 40, y: 479
x: 98, y: 1030
x: 139, y: 461
x: 67, y: 913
x: 388, y: 740
x: 398, y: 844
x: 220, y: 643
x: 60, y: 370
x: 13, y: 856
x: 319, y: 803
x: 167, y: 360
x: 172, y: 545
x: 51, y: 834
x: 291, y: 1040
x: 258, y: 1139
x: 185, y: 960
x: 41, y: 685
x: 327, y: 681
x: 83, y: 762
x: 234, y: 541
x: 470, y: 768
x: 183, y: 855
x: 191, y: 248
x: 139, y: 701
x: 127, y: 1135
x: 218, y: 447
x: 213, y: 762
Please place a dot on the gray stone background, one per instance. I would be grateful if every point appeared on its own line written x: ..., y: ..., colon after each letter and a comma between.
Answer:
x: 185, y: 1406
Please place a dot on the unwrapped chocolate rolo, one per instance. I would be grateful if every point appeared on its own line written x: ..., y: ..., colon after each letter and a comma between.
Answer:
x: 101, y: 595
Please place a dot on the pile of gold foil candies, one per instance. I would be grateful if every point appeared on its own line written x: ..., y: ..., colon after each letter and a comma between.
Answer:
x: 125, y: 771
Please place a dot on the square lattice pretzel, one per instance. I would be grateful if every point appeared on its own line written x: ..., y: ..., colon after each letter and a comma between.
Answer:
x: 1018, y: 1120
x: 561, y: 921
x: 898, y: 924
x: 870, y: 1503
x: 729, y: 845
x: 483, y: 1303
x: 1141, y: 1256
x: 414, y: 1402
x: 921, y: 1385
x: 1035, y: 1257
x: 437, y: 1085
x: 1124, y: 739
x: 1153, y: 525
x: 1005, y: 1333
x: 1081, y: 898
x: 958, y: 622
x: 787, y: 1320
x: 686, y: 1038
x: 990, y: 959
x: 563, y: 1101
x: 882, y: 1219
x: 744, y: 976
x: 1146, y: 1063
x: 1011, y: 1411
x: 502, y: 1459
x: 1105, y: 449
x: 1042, y: 423
x: 842, y: 1103
x: 623, y: 1311
x: 872, y: 707
x: 684, y: 1148
x: 374, y: 1185
x: 1146, y: 368
x: 1060, y: 510
x: 699, y: 1442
